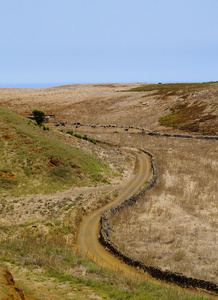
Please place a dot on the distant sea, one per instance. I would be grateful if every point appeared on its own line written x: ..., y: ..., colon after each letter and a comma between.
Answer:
x: 33, y: 85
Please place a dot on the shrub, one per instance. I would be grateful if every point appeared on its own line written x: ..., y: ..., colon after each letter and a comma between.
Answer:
x: 69, y: 132
x: 88, y: 139
x: 96, y: 177
x: 39, y: 116
x: 78, y: 136
x: 45, y: 127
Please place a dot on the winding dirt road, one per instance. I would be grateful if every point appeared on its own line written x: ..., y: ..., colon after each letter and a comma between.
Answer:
x: 89, y: 230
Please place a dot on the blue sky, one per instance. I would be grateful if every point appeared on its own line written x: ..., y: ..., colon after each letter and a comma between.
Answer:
x: 52, y: 42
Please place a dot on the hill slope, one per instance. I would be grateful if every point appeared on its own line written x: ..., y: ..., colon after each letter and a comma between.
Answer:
x: 32, y: 161
x: 187, y: 107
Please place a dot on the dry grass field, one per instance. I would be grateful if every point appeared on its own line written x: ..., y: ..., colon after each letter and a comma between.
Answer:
x: 122, y: 105
x: 175, y: 226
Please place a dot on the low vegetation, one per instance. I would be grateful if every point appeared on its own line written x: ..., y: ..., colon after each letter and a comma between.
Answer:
x: 49, y: 253
x: 189, y: 113
x: 190, y: 118
x: 173, y: 88
x: 85, y: 137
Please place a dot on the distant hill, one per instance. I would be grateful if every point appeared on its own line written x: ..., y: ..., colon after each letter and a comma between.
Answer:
x: 195, y: 107
x: 175, y: 107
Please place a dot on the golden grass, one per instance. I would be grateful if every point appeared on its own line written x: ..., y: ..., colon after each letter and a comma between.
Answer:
x: 175, y: 225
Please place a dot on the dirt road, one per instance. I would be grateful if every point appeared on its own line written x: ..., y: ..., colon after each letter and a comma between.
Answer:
x: 89, y: 230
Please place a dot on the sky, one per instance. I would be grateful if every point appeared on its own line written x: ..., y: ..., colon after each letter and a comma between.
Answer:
x: 54, y: 42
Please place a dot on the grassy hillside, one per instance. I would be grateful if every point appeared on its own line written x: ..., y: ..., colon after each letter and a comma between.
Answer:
x: 173, y: 88
x: 34, y: 162
x: 192, y: 112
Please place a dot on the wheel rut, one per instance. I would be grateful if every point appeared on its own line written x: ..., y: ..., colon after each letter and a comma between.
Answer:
x: 89, y: 230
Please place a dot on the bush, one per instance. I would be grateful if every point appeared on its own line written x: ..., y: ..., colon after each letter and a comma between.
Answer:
x: 45, y: 127
x: 85, y: 137
x: 96, y: 177
x: 39, y: 116
x: 69, y: 132
x: 88, y: 139
x: 78, y: 136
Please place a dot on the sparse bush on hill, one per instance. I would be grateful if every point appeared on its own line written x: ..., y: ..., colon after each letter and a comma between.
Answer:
x: 78, y: 136
x: 69, y: 132
x: 44, y: 127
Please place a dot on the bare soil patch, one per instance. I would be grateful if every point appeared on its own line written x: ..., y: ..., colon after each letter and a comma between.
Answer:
x: 8, y: 175
x: 7, y: 137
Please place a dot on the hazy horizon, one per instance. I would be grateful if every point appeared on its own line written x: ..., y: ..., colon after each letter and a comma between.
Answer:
x: 64, y: 42
x: 50, y: 85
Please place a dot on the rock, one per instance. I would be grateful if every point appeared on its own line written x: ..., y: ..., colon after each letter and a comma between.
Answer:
x: 8, y: 288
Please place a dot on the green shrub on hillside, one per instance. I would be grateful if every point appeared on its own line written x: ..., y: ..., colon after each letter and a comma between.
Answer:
x: 39, y: 116
x: 69, y: 132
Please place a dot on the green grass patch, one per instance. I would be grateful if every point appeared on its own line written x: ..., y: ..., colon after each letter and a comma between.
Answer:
x: 189, y: 118
x: 41, y: 163
x: 185, y: 117
x: 122, y: 288
x: 85, y: 137
x: 8, y: 184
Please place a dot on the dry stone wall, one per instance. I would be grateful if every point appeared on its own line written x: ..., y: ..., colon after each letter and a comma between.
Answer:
x: 120, y: 129
x: 155, y: 272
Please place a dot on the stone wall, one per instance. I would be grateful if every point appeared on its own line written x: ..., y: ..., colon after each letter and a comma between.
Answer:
x: 156, y: 272
x: 121, y: 129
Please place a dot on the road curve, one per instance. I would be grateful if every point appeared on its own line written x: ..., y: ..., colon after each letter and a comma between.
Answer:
x: 89, y: 229
x: 89, y: 244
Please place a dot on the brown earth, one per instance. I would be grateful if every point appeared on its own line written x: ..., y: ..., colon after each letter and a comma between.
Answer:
x: 7, y: 175
x: 9, y: 290
x: 7, y: 137
x: 54, y: 162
